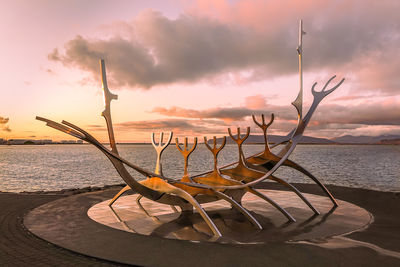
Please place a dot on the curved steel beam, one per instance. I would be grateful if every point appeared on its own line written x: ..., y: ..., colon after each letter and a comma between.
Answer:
x: 262, y: 161
x: 164, y: 187
x: 240, y: 208
x: 273, y: 203
x: 246, y: 172
x: 295, y: 190
x: 119, y: 194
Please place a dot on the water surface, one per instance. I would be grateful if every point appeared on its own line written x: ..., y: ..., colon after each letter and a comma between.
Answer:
x: 55, y: 167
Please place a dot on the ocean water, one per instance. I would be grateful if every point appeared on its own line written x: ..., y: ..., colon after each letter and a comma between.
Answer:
x: 55, y: 167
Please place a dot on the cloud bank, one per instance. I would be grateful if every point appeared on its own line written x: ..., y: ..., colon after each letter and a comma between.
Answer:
x: 214, y: 37
x: 330, y: 116
x: 178, y: 126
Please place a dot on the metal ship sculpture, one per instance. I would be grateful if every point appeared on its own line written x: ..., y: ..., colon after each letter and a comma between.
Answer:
x: 228, y: 183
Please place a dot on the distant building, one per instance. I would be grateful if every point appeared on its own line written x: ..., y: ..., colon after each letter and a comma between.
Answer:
x: 68, y: 142
x: 28, y: 142
x: 79, y: 141
x: 16, y: 141
x: 43, y: 141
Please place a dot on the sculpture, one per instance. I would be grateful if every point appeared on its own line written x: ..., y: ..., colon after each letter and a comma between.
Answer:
x: 230, y: 184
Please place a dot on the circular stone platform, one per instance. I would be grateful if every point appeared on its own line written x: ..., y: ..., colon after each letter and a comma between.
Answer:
x: 85, y: 224
x: 160, y: 220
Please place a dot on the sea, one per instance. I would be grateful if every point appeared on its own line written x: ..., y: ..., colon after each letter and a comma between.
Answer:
x: 55, y: 167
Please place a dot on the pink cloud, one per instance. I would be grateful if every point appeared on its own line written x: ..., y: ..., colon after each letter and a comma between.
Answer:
x: 255, y: 102
x: 265, y: 16
x: 178, y: 126
x: 253, y: 105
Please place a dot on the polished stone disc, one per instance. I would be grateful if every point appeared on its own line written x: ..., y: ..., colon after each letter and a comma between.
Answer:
x: 155, y: 219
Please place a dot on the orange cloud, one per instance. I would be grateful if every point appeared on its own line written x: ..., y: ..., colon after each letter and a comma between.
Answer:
x: 253, y: 105
x: 3, y: 126
x: 3, y: 120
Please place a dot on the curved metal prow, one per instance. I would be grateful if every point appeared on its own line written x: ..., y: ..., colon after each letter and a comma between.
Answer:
x: 318, y: 96
x: 108, y: 97
x: 298, y: 102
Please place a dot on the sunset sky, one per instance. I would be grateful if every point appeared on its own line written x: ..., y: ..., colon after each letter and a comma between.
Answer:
x: 197, y: 67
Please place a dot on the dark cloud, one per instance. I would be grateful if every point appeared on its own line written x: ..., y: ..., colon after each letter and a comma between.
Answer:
x: 367, y: 113
x: 330, y: 115
x: 254, y: 105
x: 353, y: 97
x: 351, y: 37
x: 166, y: 51
x: 226, y: 114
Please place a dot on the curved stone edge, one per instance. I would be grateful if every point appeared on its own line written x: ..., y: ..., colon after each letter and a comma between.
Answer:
x: 146, y: 243
x: 119, y: 218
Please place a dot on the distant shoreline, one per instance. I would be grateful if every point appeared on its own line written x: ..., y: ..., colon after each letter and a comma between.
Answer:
x: 251, y: 139
x: 330, y: 144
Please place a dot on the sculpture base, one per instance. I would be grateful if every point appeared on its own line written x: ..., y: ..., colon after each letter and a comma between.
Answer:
x: 160, y: 220
x: 65, y: 222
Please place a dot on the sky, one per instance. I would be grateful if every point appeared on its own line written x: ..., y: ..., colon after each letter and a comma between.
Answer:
x: 197, y: 67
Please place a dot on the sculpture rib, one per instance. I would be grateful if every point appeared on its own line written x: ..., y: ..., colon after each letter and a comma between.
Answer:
x: 239, y: 207
x: 245, y: 172
x: 273, y: 203
x: 214, y: 178
x: 296, y: 191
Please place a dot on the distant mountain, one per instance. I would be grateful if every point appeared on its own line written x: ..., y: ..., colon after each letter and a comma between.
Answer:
x: 390, y: 141
x: 363, y: 139
x: 346, y: 139
x: 259, y: 139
